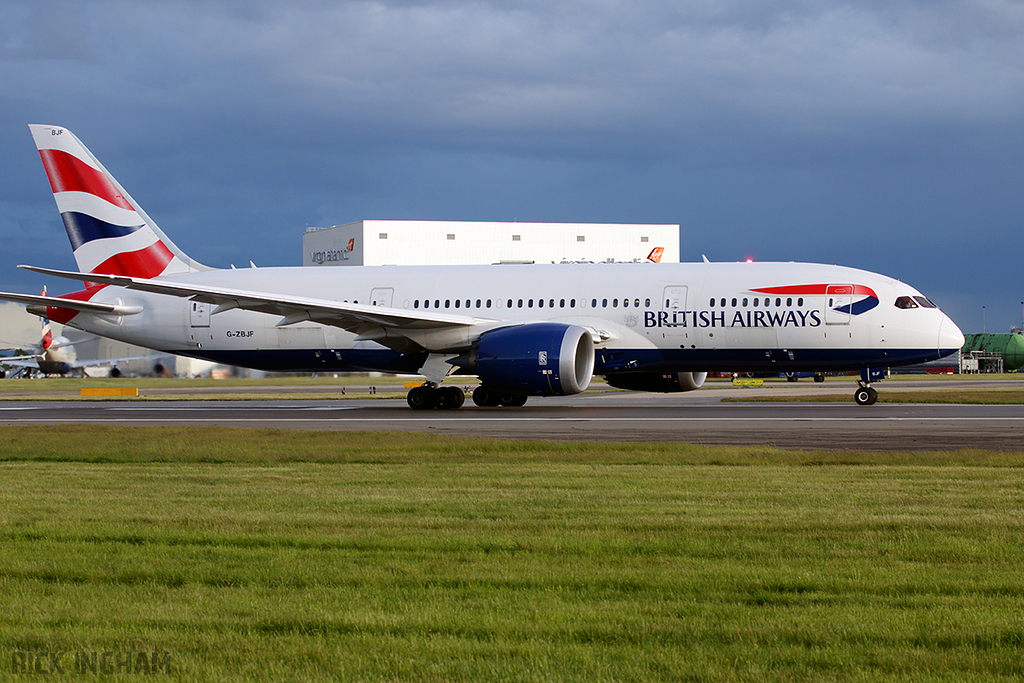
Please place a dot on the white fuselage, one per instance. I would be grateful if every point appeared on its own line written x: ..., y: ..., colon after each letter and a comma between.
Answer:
x: 685, y: 317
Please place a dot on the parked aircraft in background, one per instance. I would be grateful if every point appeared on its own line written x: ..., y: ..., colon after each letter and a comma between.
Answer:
x: 524, y: 330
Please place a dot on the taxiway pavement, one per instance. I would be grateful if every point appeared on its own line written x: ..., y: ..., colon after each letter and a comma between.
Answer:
x: 697, y: 417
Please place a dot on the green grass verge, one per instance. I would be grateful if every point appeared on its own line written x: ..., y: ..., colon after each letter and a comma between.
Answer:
x: 289, y: 555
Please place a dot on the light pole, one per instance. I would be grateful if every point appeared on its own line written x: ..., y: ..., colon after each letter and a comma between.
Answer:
x: 983, y: 330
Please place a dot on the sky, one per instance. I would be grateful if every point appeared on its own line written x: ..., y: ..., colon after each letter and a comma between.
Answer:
x: 883, y: 135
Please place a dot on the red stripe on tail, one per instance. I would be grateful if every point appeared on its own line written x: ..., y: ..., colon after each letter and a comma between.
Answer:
x: 144, y: 263
x: 70, y: 174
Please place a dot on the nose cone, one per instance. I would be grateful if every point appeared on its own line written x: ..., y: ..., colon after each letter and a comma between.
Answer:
x: 951, y: 339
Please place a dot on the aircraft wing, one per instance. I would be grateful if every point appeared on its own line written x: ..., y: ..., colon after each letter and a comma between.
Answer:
x: 20, y: 361
x: 361, y: 319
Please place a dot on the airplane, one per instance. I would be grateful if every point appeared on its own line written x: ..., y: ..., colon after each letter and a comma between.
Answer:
x: 57, y: 356
x: 523, y: 330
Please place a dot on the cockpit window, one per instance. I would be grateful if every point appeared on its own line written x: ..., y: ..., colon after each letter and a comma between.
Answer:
x: 925, y: 303
x: 905, y: 302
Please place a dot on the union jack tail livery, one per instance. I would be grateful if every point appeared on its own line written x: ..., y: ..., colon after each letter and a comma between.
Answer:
x: 109, y: 231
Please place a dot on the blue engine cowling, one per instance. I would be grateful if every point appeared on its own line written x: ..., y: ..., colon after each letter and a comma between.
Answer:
x: 667, y: 382
x: 537, y: 359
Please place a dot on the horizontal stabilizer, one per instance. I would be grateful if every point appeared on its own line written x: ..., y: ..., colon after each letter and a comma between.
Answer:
x: 73, y: 304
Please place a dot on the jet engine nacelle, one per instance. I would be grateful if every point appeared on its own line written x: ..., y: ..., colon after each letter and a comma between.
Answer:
x: 537, y: 359
x: 667, y: 382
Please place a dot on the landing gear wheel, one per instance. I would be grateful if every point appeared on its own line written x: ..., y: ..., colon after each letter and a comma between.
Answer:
x: 865, y: 396
x: 819, y: 377
x: 421, y: 398
x: 790, y: 377
x: 449, y: 398
x: 486, y: 398
x: 514, y: 400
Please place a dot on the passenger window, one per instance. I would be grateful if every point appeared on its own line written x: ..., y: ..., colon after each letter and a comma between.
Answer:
x: 712, y: 303
x: 647, y: 303
x: 529, y: 303
x: 615, y: 303
x: 561, y: 303
x: 604, y: 303
x: 447, y: 303
x: 416, y: 304
x: 488, y: 303
x: 520, y: 303
x: 906, y: 302
x: 625, y: 303
x: 478, y: 303
x: 572, y: 303
x: 723, y: 302
x: 745, y: 300
x: 456, y: 303
x: 510, y: 304
x: 551, y: 303
x: 540, y: 303
x: 755, y: 303
x: 734, y: 302
x: 778, y: 302
x: 636, y: 303
x: 789, y: 301
x: 437, y: 303
x: 800, y: 301
x: 468, y: 302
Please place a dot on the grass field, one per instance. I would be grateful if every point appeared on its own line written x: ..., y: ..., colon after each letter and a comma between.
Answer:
x: 276, y: 555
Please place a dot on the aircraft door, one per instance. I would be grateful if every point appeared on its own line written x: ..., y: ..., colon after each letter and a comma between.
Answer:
x: 199, y: 315
x: 675, y: 299
x: 671, y: 319
x: 838, y: 299
x: 381, y: 296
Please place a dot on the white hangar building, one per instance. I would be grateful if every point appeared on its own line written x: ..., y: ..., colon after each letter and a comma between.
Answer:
x: 412, y: 243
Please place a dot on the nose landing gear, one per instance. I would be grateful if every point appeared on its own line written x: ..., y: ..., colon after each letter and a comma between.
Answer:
x: 865, y: 395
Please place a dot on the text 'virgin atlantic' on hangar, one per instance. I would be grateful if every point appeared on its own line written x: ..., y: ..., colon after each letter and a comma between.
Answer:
x: 408, y: 243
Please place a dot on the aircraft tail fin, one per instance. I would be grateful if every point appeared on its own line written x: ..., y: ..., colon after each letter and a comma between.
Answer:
x: 109, y: 231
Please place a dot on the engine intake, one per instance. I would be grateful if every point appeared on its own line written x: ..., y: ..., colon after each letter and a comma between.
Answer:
x: 537, y: 359
x: 667, y: 382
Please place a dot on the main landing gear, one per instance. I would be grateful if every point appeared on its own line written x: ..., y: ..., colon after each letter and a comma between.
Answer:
x: 485, y: 397
x: 429, y: 395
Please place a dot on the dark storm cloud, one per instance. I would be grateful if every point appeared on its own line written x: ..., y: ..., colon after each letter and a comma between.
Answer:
x: 881, y: 135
